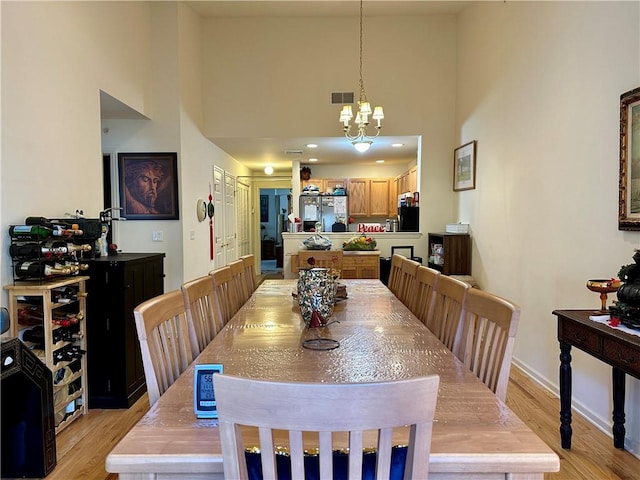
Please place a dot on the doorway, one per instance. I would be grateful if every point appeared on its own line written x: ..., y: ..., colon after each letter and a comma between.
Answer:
x: 274, y: 207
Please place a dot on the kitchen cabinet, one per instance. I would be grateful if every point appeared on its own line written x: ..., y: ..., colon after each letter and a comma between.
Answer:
x: 355, y: 264
x: 455, y: 258
x: 407, y: 181
x: 318, y: 182
x: 334, y: 182
x: 378, y: 197
x: 412, y: 180
x: 393, y: 197
x: 361, y: 264
x: 117, y: 285
x: 369, y: 197
x: 358, y: 192
x: 324, y: 184
x: 50, y: 317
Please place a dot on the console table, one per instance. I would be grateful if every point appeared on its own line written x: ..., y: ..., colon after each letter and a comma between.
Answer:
x: 616, y: 348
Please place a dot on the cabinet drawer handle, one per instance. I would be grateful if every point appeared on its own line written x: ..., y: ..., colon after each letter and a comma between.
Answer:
x: 626, y: 361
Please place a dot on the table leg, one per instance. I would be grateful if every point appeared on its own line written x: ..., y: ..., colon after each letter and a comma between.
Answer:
x: 618, y: 408
x: 565, y: 395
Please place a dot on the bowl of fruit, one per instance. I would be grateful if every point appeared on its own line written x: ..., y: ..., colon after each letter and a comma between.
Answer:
x: 360, y: 242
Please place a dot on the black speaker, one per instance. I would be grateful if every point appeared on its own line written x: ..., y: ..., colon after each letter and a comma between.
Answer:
x: 28, y: 425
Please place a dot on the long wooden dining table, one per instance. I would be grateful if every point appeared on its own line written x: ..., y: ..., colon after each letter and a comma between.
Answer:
x: 475, y: 435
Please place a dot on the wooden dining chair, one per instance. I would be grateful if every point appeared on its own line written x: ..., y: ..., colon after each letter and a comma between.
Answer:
x: 448, y: 312
x: 165, y: 339
x: 408, y: 272
x: 326, y: 408
x: 249, y: 262
x: 199, y: 301
x: 227, y: 300
x: 488, y: 338
x: 331, y: 259
x: 395, y: 273
x: 239, y: 280
x: 424, y: 297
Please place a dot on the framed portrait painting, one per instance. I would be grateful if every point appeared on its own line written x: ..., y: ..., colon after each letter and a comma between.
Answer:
x: 629, y: 183
x: 464, y: 167
x: 148, y: 186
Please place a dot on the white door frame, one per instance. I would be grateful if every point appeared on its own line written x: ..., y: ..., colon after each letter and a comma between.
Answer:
x: 257, y: 184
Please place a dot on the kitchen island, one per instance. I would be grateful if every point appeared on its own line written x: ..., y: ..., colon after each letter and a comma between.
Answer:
x: 385, y: 240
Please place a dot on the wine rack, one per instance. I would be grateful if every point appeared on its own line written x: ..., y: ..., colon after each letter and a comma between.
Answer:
x: 49, y: 317
x: 45, y: 251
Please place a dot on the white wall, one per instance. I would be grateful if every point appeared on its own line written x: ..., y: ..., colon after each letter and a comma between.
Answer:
x: 51, y: 78
x: 538, y: 87
x: 159, y: 134
x: 198, y: 153
x: 271, y: 77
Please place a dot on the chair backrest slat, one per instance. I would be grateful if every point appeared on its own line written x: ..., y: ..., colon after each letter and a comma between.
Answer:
x: 225, y: 293
x: 408, y: 273
x: 448, y: 312
x: 488, y: 338
x: 395, y: 273
x: 311, y: 408
x: 201, y: 311
x: 426, y: 281
x: 165, y: 337
x: 240, y: 281
x: 249, y: 263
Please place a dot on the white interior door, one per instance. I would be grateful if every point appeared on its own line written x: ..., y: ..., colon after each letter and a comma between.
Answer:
x: 230, y: 218
x: 218, y: 217
x: 243, y: 217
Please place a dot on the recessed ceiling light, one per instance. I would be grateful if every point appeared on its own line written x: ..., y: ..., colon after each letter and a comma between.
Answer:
x: 312, y: 145
x: 313, y: 159
x: 268, y: 170
x: 379, y: 161
x: 397, y: 144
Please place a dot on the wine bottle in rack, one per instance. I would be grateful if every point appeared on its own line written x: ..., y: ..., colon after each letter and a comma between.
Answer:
x: 46, y: 249
x: 64, y: 295
x: 45, y: 222
x: 40, y: 232
x: 30, y: 231
x: 40, y: 268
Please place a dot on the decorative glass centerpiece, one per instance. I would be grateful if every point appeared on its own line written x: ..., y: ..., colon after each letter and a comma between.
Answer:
x: 360, y: 242
x: 603, y: 286
x: 316, y: 298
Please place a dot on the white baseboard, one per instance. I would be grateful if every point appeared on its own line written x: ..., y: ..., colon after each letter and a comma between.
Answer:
x: 602, y: 424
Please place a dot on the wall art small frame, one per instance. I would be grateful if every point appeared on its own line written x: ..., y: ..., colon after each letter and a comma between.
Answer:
x: 629, y: 183
x: 148, y: 185
x: 464, y: 167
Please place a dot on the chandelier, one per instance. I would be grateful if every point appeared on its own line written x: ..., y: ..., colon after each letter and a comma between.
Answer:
x: 361, y: 139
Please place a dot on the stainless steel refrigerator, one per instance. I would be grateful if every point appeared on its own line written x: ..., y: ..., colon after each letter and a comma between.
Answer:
x: 330, y: 210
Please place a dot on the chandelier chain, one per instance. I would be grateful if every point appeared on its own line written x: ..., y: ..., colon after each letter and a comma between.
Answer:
x: 363, y: 93
x: 361, y: 139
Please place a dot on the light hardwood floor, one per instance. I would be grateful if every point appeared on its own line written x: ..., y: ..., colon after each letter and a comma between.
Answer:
x: 83, y: 446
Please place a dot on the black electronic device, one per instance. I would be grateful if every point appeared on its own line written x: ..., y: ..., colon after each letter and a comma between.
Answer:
x: 204, y: 398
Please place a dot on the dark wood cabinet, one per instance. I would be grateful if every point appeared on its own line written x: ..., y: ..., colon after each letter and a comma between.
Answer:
x: 455, y: 258
x: 116, y: 286
x: 268, y: 250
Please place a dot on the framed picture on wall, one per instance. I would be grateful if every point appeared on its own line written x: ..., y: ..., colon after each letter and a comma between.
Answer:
x: 464, y: 167
x: 629, y: 183
x: 148, y: 185
x: 264, y: 208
